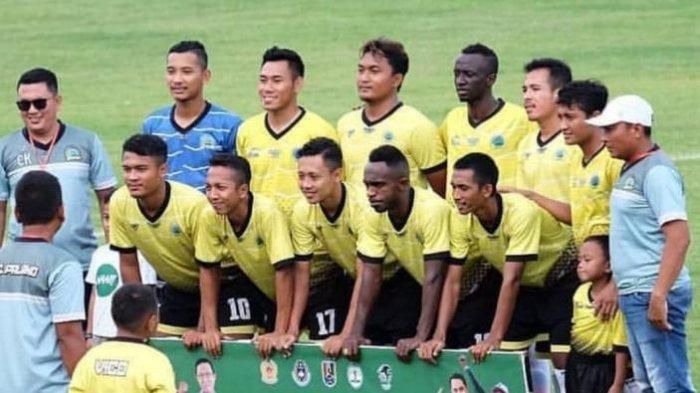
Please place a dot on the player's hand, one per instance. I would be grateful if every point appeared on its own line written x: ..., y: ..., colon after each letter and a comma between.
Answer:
x: 351, y: 346
x: 658, y: 312
x: 482, y: 349
x: 605, y: 306
x: 430, y: 350
x: 182, y: 387
x: 192, y: 339
x: 405, y: 346
x: 506, y: 189
x: 89, y: 343
x: 211, y: 341
x: 333, y: 345
x: 285, y: 343
x: 265, y: 344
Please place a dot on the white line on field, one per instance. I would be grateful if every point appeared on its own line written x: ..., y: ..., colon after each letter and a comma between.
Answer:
x: 686, y: 157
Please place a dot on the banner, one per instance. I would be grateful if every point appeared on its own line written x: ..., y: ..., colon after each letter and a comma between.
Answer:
x: 240, y: 369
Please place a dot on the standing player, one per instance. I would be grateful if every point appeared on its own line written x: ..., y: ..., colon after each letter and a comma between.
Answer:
x: 525, y: 244
x: 75, y: 156
x: 412, y: 224
x: 41, y: 295
x: 270, y: 140
x: 160, y: 219
x: 247, y: 232
x: 384, y: 119
x: 544, y: 159
x: 194, y: 129
x: 485, y: 124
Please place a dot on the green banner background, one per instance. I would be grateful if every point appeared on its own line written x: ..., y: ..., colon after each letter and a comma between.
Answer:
x: 241, y: 370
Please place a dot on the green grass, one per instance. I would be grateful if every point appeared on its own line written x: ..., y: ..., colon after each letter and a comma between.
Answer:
x: 110, y: 55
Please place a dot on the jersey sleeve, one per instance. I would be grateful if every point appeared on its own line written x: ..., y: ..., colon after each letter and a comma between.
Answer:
x: 209, y: 240
x: 327, y: 130
x: 371, y: 242
x: 119, y: 238
x: 459, y: 237
x: 442, y: 131
x: 4, y: 183
x: 230, y: 142
x: 148, y: 274
x: 101, y: 174
x: 161, y: 378
x: 277, y: 239
x: 436, y: 232
x: 524, y: 228
x: 66, y: 297
x: 427, y: 148
x: 619, y: 331
x: 79, y: 380
x: 303, y: 238
x: 663, y: 188
x: 520, y: 163
x: 91, y: 275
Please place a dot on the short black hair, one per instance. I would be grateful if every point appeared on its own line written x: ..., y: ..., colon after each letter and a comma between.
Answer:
x: 296, y: 64
x: 484, y: 168
x: 559, y: 71
x: 393, y: 51
x: 195, y: 47
x: 204, y: 361
x: 460, y: 377
x: 39, y: 75
x: 392, y: 157
x: 483, y: 50
x: 37, y: 198
x: 131, y: 304
x: 327, y: 148
x: 146, y: 145
x: 603, y: 241
x: 238, y: 164
x: 589, y: 95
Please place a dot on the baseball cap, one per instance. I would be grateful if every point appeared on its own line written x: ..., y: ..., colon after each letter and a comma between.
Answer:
x: 628, y: 108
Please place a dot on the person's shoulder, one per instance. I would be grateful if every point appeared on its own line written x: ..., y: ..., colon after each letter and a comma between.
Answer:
x: 120, y: 196
x: 517, y: 204
x: 515, y: 110
x: 458, y: 113
x: 353, y: 115
x: 161, y: 113
x: 429, y: 201
x: 224, y: 114
x: 265, y: 206
x: 77, y: 133
x: 582, y: 291
x: 257, y: 120
x: 185, y: 192
x: 11, y: 138
x: 412, y: 113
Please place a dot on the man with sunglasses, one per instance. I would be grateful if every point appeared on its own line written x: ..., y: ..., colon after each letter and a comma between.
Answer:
x: 75, y: 156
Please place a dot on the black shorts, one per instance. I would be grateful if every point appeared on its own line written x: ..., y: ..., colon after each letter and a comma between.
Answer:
x: 179, y: 310
x: 543, y: 311
x: 327, y: 306
x: 243, y: 308
x: 589, y: 373
x: 396, y: 310
x: 474, y: 315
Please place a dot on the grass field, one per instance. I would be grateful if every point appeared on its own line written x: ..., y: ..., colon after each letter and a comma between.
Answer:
x: 109, y: 56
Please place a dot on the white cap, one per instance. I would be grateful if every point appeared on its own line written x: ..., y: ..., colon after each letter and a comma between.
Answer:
x: 629, y: 109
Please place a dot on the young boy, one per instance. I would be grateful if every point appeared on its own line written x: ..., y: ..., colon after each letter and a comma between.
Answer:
x: 105, y: 277
x: 598, y: 359
x: 126, y: 363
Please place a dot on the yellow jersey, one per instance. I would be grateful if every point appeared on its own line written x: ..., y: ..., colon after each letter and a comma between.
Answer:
x: 273, y: 157
x: 423, y: 236
x: 589, y: 334
x: 524, y: 232
x: 165, y: 240
x: 544, y: 166
x: 259, y: 248
x: 404, y: 127
x: 498, y: 136
x: 123, y: 366
x: 591, y: 185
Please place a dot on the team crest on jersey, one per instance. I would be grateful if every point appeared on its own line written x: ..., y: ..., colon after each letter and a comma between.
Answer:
x: 268, y: 372
x: 355, y: 378
x: 595, y: 181
x: 329, y: 373
x: 388, y: 136
x: 207, y: 141
x: 301, y: 373
x: 498, y: 141
x: 385, y: 376
x: 629, y: 184
x: 72, y: 153
x: 259, y: 241
x: 175, y: 229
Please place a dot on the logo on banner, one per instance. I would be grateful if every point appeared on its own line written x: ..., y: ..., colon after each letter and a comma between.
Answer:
x: 385, y: 375
x: 355, y: 376
x: 268, y: 372
x: 328, y: 373
x: 301, y: 374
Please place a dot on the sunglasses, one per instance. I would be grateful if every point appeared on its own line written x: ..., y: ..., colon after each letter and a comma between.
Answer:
x: 39, y: 104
